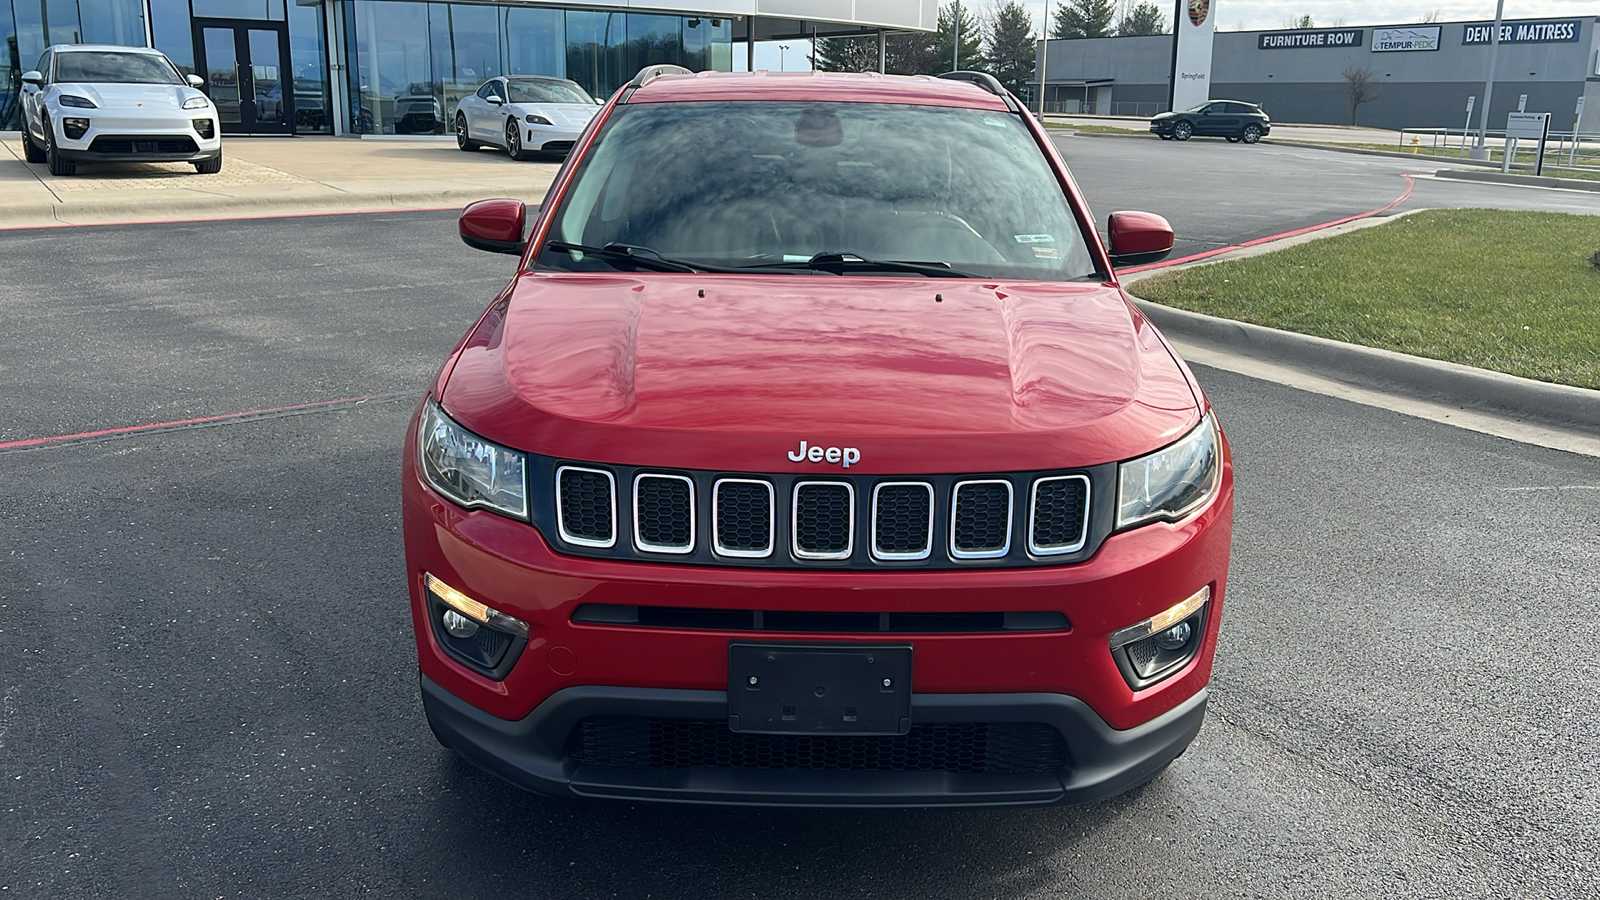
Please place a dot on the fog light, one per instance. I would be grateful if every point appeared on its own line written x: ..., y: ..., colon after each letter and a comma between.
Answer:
x: 473, y: 633
x: 1175, y: 638
x: 458, y: 625
x: 1162, y: 644
x: 204, y: 128
x: 74, y: 128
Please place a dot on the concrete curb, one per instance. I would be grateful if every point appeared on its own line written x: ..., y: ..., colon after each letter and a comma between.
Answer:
x: 1384, y: 370
x: 157, y: 209
x: 1573, y: 184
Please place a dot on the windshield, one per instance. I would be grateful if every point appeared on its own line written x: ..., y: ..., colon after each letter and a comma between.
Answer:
x: 110, y: 67
x: 747, y: 184
x: 548, y: 92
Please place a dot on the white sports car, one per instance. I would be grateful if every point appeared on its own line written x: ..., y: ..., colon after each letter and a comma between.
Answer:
x: 524, y: 114
x: 102, y: 103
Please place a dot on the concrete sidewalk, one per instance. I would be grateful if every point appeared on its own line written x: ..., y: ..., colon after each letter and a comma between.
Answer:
x: 267, y: 175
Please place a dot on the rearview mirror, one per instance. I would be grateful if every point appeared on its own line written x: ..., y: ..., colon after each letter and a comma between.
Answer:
x: 494, y: 225
x: 1138, y: 237
x: 33, y: 77
x: 195, y: 81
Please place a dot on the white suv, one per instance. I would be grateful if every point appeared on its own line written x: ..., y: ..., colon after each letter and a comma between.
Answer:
x: 100, y: 103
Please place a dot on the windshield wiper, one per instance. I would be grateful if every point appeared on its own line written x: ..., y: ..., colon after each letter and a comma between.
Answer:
x: 840, y: 263
x: 643, y: 257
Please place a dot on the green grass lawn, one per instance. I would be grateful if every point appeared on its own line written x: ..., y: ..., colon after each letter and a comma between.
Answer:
x: 1514, y: 292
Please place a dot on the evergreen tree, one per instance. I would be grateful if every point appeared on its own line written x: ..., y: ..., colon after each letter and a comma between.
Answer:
x: 845, y: 54
x: 1010, y: 48
x: 1142, y: 18
x: 1084, y: 19
x: 971, y: 36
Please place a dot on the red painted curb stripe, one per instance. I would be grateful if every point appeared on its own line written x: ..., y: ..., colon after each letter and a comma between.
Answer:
x: 283, y: 215
x: 1410, y: 186
x: 204, y: 420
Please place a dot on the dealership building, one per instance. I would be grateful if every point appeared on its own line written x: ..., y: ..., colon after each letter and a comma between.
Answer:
x: 399, y: 66
x: 1421, y: 74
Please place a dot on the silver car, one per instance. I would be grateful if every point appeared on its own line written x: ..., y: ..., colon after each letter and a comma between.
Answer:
x: 102, y: 103
x: 524, y: 115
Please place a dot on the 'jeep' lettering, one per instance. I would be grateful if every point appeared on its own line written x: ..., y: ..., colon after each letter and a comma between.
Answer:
x: 849, y: 456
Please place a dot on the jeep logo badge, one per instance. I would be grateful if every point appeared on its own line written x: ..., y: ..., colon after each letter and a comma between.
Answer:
x: 847, y: 455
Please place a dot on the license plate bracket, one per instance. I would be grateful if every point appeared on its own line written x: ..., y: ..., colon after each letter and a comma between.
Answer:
x: 819, y: 688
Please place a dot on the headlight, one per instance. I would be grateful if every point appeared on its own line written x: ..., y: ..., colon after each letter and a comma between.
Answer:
x: 195, y: 103
x: 470, y: 470
x: 76, y: 102
x: 532, y: 119
x: 1173, y: 481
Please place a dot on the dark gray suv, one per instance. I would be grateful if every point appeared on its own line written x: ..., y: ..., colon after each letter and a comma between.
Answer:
x: 1235, y: 120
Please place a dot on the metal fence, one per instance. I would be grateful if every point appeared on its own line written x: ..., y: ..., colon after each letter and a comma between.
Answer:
x: 1562, y: 150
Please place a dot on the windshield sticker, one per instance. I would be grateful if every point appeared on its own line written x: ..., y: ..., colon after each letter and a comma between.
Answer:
x: 1046, y: 253
x: 1034, y: 238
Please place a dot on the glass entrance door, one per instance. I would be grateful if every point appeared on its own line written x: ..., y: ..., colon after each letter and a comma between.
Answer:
x: 245, y: 64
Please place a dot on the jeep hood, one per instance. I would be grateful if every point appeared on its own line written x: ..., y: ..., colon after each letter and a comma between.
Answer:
x: 935, y: 375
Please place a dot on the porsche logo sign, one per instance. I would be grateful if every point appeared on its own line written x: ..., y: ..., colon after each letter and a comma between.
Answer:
x: 1198, y: 10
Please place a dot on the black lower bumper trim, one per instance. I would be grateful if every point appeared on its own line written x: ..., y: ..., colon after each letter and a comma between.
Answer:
x: 533, y: 752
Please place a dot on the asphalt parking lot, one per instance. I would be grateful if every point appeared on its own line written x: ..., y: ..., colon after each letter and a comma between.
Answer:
x: 207, y: 681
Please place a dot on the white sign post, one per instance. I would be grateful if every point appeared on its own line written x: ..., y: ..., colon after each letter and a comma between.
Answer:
x: 1577, y: 122
x: 1194, y: 22
x: 1535, y: 126
x: 1467, y: 127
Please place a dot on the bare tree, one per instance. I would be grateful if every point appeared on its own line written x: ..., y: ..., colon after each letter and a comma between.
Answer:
x: 1430, y: 17
x: 1360, y: 87
x: 1301, y: 21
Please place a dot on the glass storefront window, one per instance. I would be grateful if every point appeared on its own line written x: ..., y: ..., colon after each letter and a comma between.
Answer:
x: 394, y: 77
x: 652, y: 40
x: 64, y: 27
x: 308, y: 60
x: 466, y: 52
x: 169, y: 22
x: 534, y: 43
x: 594, y: 50
x: 11, y: 84
x: 111, y: 22
x: 239, y: 9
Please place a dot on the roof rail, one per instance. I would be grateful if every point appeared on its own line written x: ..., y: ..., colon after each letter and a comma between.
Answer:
x: 651, y: 73
x: 981, y: 79
x: 989, y: 83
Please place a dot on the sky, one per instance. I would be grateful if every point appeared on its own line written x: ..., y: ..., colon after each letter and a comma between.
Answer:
x: 1259, y: 15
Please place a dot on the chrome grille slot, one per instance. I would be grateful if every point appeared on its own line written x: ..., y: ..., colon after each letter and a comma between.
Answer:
x: 663, y: 513
x: 586, y: 506
x: 902, y: 520
x: 824, y: 520
x: 1058, y: 515
x: 980, y: 519
x: 744, y: 513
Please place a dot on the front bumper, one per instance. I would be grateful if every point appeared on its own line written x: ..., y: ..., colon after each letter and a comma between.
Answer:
x: 170, y: 137
x: 533, y: 752
x: 571, y: 667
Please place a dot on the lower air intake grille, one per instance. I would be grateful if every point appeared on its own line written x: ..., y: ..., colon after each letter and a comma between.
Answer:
x: 143, y: 145
x: 964, y: 748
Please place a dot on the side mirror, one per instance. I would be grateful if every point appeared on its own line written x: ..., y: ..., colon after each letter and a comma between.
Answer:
x: 599, y: 101
x: 1138, y: 237
x: 33, y: 77
x: 195, y: 81
x: 495, y: 100
x: 495, y: 226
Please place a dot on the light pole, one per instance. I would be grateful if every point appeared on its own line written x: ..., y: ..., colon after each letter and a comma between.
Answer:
x: 1044, y: 56
x: 781, y: 48
x: 1481, y: 151
x: 955, y: 45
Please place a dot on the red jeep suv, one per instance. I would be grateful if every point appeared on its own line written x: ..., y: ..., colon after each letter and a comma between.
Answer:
x: 814, y: 456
